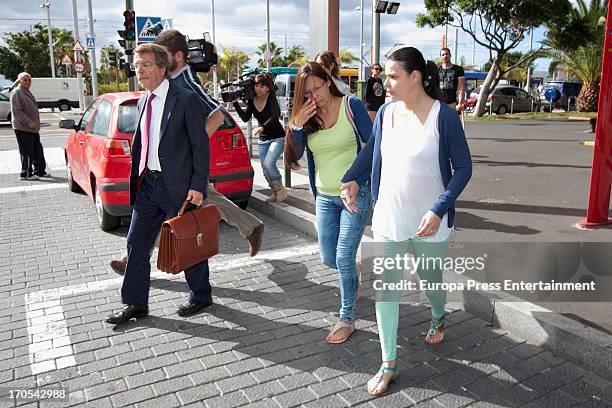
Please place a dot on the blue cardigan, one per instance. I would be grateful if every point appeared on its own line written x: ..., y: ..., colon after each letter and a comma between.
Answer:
x: 453, y: 151
x: 364, y: 126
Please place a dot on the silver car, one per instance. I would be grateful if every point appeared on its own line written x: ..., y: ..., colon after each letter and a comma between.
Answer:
x: 510, y: 99
x: 5, y: 108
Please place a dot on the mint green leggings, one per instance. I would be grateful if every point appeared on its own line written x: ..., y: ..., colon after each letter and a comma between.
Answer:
x: 387, y: 303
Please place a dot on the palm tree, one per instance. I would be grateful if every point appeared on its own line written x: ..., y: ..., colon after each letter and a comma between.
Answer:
x: 231, y: 61
x: 585, y: 62
x: 580, y: 47
x: 345, y: 57
x: 276, y: 58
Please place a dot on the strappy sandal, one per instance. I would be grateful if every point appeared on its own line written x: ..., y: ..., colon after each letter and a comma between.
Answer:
x: 341, y: 331
x: 435, y: 334
x: 379, y: 377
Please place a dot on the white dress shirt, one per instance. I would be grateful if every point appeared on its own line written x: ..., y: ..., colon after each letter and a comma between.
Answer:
x: 157, y: 110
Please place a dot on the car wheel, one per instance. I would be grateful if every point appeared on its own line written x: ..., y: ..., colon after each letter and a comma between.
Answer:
x: 106, y: 221
x: 502, y: 110
x: 72, y: 185
x: 64, y: 106
x: 243, y: 204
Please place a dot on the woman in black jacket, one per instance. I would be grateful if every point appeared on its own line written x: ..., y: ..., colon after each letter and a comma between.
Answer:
x: 264, y: 107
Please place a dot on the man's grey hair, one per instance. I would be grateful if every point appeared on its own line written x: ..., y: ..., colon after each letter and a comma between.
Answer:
x: 23, y: 75
x: 161, y: 56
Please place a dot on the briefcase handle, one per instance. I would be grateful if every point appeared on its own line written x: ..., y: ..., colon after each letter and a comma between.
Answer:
x: 183, y: 207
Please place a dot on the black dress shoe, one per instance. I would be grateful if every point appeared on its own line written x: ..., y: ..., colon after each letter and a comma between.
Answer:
x: 127, y: 313
x: 193, y: 306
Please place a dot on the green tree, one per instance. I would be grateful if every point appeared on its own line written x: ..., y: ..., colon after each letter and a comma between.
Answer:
x: 29, y: 51
x: 230, y: 63
x: 579, y: 46
x: 295, y: 54
x: 516, y: 64
x: 346, y: 58
x: 106, y: 73
x: 498, y: 25
x: 277, y: 59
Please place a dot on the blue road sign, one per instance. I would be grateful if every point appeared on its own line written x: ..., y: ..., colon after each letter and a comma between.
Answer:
x: 167, y: 23
x: 91, y: 42
x: 146, y: 28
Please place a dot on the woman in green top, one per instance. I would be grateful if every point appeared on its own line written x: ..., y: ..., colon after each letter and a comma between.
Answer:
x: 331, y: 128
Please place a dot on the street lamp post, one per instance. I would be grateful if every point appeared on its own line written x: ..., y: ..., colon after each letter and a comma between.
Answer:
x: 92, y: 54
x: 75, y: 23
x: 47, y: 5
x: 360, y: 78
x: 212, y: 14
x: 379, y: 7
x: 529, y: 67
x: 269, y: 62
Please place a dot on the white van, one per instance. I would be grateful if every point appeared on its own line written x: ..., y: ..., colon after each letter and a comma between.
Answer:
x: 62, y: 93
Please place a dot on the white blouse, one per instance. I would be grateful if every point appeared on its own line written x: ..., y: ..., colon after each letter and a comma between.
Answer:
x: 410, y: 180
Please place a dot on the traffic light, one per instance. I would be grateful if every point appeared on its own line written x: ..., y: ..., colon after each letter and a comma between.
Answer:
x: 126, y: 66
x: 62, y: 71
x: 112, y: 59
x: 129, y: 23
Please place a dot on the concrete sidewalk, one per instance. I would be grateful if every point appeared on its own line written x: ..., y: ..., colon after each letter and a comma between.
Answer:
x: 576, y: 341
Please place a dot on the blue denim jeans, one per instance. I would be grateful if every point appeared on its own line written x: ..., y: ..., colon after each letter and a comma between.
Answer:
x: 269, y: 152
x: 340, y: 233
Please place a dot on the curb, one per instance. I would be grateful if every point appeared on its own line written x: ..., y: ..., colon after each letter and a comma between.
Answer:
x: 570, y: 339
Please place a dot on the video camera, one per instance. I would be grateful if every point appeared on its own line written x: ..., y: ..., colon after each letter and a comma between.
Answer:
x: 202, y: 54
x: 242, y: 88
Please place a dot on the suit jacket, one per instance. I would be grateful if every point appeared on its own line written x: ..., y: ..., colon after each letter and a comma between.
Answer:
x: 184, y: 151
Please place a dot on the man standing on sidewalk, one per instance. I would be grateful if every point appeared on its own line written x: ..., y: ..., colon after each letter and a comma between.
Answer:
x: 452, y: 81
x: 249, y: 226
x: 25, y: 121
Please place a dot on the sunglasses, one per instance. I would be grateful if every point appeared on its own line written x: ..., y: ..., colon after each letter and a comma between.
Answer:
x: 377, y: 69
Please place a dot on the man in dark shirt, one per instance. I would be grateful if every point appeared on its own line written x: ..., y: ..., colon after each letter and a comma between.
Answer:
x: 452, y: 81
x: 375, y: 91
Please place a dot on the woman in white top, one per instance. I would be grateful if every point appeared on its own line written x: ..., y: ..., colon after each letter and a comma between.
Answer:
x: 328, y: 61
x: 415, y: 141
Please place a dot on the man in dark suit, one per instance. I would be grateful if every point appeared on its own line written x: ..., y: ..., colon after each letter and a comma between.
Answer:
x: 170, y: 162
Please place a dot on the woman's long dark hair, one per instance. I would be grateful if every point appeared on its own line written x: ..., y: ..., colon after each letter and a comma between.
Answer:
x: 314, y: 124
x: 410, y: 59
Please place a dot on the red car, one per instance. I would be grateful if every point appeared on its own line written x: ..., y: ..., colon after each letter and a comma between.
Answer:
x: 98, y: 157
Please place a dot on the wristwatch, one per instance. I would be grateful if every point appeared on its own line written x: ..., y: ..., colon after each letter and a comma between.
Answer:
x: 293, y: 127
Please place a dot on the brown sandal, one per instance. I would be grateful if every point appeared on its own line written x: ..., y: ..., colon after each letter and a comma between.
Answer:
x: 341, y: 331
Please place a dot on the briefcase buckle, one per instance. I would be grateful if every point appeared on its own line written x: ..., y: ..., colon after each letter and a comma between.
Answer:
x: 199, y: 239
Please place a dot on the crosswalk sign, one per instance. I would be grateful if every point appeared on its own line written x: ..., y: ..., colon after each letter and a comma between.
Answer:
x: 145, y: 28
x: 167, y: 23
x: 91, y: 42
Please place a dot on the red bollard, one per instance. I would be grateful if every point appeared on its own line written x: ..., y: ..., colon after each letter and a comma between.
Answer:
x: 601, y: 173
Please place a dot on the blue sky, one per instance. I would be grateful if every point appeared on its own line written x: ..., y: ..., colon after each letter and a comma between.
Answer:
x: 242, y: 23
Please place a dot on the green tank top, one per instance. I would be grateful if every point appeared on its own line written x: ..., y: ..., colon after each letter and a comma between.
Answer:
x: 333, y: 151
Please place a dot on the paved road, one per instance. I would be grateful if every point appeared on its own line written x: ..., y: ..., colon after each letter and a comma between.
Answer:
x: 259, y: 345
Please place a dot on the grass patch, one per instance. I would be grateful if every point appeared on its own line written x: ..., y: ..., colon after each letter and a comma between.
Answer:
x: 533, y: 116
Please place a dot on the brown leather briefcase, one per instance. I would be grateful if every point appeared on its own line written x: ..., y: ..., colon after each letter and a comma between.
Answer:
x: 188, y: 239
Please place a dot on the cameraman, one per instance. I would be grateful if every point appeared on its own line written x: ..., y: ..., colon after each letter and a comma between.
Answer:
x: 264, y: 106
x: 249, y: 226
